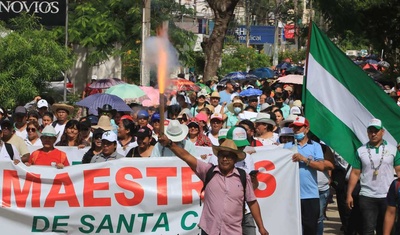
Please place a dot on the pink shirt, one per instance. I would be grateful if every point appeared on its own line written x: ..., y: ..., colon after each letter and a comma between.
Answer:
x: 223, y: 201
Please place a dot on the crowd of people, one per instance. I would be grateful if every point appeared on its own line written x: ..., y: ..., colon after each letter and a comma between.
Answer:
x: 233, y: 126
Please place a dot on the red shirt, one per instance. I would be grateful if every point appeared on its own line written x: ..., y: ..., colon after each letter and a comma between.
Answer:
x: 39, y: 157
x: 255, y: 143
x: 91, y: 91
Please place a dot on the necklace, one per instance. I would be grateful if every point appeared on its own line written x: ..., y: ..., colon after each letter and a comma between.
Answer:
x: 376, y: 169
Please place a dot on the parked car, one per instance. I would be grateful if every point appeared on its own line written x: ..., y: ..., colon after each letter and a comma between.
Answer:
x: 56, y: 88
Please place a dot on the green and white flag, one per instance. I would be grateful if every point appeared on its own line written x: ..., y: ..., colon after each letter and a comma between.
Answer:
x: 340, y: 99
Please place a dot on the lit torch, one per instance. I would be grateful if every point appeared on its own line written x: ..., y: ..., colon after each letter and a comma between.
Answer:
x: 162, y: 69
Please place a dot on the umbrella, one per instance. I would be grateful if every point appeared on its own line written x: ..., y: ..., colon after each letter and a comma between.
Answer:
x: 153, y: 96
x: 295, y: 70
x: 106, y: 83
x: 98, y: 100
x: 263, y: 72
x: 292, y: 78
x: 284, y: 65
x: 250, y: 76
x: 236, y: 76
x: 384, y: 64
x: 127, y: 92
x: 224, y: 81
x: 204, y: 87
x: 250, y: 92
x: 183, y: 85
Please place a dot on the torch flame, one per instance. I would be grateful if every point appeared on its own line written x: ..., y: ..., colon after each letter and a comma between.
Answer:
x: 162, y: 69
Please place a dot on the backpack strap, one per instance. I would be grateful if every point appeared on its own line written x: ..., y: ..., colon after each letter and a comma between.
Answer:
x: 10, y: 150
x: 54, y: 124
x: 210, y: 173
x: 243, y: 179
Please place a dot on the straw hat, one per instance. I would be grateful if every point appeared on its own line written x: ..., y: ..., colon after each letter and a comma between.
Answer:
x: 104, y: 123
x: 62, y: 106
x: 230, y: 146
x: 230, y: 106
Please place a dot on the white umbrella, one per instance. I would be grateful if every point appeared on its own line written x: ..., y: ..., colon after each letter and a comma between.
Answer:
x: 291, y: 78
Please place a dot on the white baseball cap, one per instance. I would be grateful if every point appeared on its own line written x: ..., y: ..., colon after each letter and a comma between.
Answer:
x: 110, y: 136
x: 42, y: 103
x: 375, y: 123
x: 238, y: 135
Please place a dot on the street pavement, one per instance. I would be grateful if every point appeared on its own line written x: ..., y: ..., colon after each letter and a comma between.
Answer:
x: 332, y: 224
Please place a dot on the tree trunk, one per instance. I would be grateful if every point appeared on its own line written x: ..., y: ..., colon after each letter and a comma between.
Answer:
x: 212, y: 46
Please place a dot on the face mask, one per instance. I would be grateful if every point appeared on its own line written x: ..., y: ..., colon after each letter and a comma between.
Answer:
x: 299, y: 136
x: 279, y: 104
x: 237, y: 110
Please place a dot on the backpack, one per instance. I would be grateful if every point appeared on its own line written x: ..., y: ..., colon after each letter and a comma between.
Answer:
x: 210, y: 173
x: 10, y: 150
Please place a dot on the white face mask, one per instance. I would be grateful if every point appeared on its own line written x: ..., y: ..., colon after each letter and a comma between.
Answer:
x: 237, y: 110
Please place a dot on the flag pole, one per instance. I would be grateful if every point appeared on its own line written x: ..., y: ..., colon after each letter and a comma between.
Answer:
x: 304, y: 88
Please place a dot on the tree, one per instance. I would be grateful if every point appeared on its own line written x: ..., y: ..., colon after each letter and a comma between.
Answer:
x: 30, y: 57
x: 370, y: 22
x: 238, y: 57
x: 99, y: 25
x: 212, y: 47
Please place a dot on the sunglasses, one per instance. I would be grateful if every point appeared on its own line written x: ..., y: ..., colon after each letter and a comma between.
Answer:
x: 6, y: 128
x: 31, y: 129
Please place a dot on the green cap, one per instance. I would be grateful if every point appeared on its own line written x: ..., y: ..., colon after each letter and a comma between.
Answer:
x: 238, y: 135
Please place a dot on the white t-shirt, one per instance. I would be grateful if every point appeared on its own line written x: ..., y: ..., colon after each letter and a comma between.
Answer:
x: 4, y: 154
x: 23, y: 134
x: 59, y: 130
x: 213, y: 140
x: 269, y: 141
x: 37, y: 143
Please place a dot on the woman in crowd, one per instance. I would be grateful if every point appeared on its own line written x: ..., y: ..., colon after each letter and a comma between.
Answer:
x: 72, y: 136
x: 264, y: 128
x: 278, y: 119
x: 200, y: 103
x: 47, y: 119
x: 95, y: 149
x: 197, y: 136
x: 144, y: 139
x: 33, y: 116
x: 234, y: 108
x: 33, y: 134
x: 126, y: 131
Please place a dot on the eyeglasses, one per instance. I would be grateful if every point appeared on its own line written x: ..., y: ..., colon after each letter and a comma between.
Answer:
x: 31, y: 129
x: 104, y: 113
x: 97, y: 137
x: 6, y: 128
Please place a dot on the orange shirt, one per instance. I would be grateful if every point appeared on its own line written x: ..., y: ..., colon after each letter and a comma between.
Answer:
x: 39, y: 157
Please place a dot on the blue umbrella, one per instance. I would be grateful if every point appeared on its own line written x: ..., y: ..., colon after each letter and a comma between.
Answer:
x: 263, y: 72
x: 98, y: 100
x: 236, y: 76
x: 250, y: 92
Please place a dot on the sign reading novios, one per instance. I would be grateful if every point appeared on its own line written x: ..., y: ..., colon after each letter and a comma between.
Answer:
x: 50, y: 12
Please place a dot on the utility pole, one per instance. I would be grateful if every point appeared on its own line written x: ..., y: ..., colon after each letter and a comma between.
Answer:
x: 247, y: 15
x: 144, y: 69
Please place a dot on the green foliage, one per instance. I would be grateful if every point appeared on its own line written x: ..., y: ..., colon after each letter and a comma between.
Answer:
x: 30, y: 58
x: 100, y: 25
x: 237, y: 57
x: 295, y: 56
x: 372, y: 23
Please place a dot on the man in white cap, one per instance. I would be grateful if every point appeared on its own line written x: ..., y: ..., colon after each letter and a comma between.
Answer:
x: 177, y: 133
x: 109, y: 148
x: 373, y: 166
x: 226, y: 201
x: 90, y: 91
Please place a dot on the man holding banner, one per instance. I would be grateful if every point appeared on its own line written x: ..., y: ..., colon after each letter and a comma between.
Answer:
x: 222, y: 217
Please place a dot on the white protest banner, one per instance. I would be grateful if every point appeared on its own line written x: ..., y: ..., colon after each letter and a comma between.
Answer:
x: 135, y: 196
